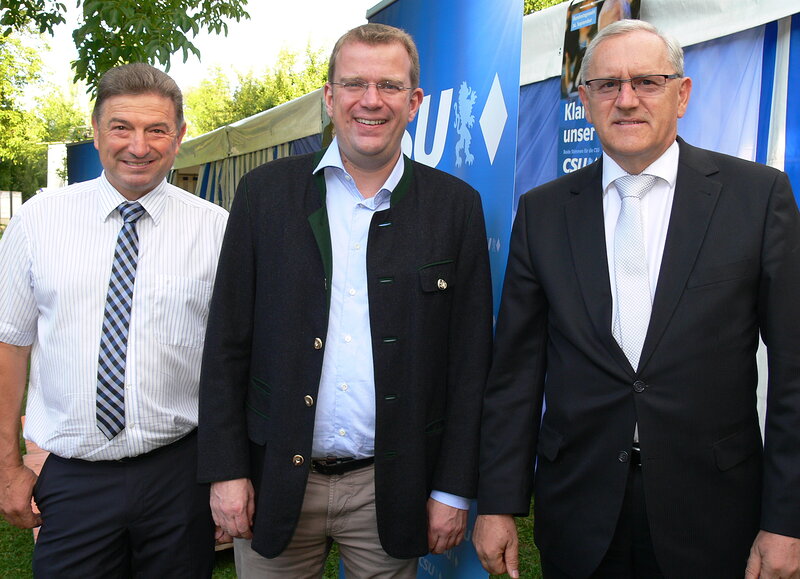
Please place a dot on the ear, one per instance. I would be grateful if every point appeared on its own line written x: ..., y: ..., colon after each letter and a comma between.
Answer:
x: 585, y: 102
x: 327, y: 93
x: 95, y: 132
x: 181, y: 134
x: 415, y: 102
x: 684, y: 92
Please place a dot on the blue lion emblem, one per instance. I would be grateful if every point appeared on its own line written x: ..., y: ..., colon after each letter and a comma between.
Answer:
x: 464, y: 121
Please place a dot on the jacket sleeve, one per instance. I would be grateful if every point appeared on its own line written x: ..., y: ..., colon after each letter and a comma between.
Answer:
x: 513, y: 400
x: 470, y: 339
x: 779, y: 319
x: 222, y: 429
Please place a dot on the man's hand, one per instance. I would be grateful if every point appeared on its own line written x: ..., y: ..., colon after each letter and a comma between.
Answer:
x: 495, y: 540
x: 16, y: 490
x: 232, y: 506
x: 446, y: 526
x: 773, y: 557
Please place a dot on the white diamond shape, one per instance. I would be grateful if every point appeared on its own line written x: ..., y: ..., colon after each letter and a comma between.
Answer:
x: 493, y: 119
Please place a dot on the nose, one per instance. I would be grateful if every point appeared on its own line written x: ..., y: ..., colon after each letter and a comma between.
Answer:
x: 372, y: 96
x: 138, y: 146
x: 627, y: 96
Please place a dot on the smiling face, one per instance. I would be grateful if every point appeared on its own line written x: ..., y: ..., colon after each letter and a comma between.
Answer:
x: 635, y: 130
x: 137, y: 139
x: 370, y: 127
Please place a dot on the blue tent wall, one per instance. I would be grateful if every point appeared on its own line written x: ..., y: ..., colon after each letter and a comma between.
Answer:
x: 728, y: 111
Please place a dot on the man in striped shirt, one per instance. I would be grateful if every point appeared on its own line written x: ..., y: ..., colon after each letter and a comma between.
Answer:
x: 105, y: 286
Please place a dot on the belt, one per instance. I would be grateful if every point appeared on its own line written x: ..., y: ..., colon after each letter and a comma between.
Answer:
x: 331, y: 465
x: 636, y: 455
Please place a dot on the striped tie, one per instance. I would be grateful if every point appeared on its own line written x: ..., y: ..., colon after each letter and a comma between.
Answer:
x: 114, y: 339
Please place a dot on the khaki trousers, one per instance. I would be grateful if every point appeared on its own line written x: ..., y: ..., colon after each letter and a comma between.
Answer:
x: 335, y: 508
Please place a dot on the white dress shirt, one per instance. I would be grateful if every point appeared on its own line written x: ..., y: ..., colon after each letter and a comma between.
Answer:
x: 656, y: 210
x: 56, y: 257
x: 345, y: 415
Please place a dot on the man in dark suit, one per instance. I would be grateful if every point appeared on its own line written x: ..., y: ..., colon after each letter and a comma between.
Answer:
x: 349, y: 341
x: 649, y: 459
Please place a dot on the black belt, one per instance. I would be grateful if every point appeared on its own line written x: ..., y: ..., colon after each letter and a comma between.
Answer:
x: 636, y: 455
x: 331, y: 465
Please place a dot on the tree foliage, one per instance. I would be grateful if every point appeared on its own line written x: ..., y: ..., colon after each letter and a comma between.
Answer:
x: 536, y: 5
x: 122, y: 31
x: 24, y: 133
x: 214, y: 103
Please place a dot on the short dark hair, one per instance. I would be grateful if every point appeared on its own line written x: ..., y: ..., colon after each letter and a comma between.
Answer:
x: 138, y: 78
x: 375, y: 34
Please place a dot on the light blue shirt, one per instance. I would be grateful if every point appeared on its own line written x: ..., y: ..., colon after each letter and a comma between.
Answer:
x: 345, y: 410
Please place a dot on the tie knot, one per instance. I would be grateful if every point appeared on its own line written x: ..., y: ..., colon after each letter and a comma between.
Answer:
x: 130, y: 212
x: 634, y: 185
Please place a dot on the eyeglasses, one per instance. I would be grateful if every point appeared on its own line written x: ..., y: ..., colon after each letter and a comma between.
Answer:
x: 359, y: 87
x: 645, y: 85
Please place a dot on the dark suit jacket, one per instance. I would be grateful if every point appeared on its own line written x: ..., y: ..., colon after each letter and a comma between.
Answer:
x: 430, y: 318
x: 731, y: 267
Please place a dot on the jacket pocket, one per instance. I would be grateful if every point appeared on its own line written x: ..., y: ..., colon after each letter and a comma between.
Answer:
x: 438, y: 276
x: 736, y: 448
x: 550, y: 443
x: 719, y: 273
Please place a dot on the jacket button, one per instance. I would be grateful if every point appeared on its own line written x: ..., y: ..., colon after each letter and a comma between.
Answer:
x: 441, y: 284
x: 298, y: 460
x: 317, y: 343
x: 639, y: 386
x: 623, y: 456
x: 309, y: 400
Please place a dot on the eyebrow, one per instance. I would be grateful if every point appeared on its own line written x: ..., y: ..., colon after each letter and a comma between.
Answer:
x: 121, y: 121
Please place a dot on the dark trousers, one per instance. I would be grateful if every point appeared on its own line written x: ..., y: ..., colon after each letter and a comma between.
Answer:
x: 631, y: 554
x: 141, y: 517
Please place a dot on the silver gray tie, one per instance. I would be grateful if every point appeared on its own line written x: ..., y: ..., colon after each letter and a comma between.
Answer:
x: 630, y: 268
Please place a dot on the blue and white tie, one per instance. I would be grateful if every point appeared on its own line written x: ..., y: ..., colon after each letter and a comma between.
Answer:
x: 630, y: 268
x: 114, y: 338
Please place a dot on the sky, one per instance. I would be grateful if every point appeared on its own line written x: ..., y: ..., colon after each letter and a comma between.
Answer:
x: 251, y: 45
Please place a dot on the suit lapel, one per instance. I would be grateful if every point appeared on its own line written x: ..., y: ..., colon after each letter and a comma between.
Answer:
x: 692, y: 207
x: 586, y: 232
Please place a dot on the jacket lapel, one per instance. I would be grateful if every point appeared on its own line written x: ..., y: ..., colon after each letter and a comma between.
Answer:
x: 317, y: 211
x: 692, y: 207
x: 586, y: 232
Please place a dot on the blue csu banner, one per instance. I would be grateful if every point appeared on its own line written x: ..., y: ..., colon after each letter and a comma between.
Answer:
x: 467, y: 124
x: 578, y: 144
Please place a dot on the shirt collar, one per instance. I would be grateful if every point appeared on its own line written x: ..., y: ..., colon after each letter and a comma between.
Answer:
x: 665, y: 167
x: 332, y: 159
x: 109, y: 199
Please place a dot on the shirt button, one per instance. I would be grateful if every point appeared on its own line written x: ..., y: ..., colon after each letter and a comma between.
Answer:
x: 348, y: 339
x: 344, y: 387
x: 352, y: 292
x: 317, y: 343
x: 357, y: 246
x: 342, y: 432
x: 309, y: 400
x: 298, y: 460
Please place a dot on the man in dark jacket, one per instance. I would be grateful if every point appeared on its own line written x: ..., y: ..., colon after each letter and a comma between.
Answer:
x: 348, y: 341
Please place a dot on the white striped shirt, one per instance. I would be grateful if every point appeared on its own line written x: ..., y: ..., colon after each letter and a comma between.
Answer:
x: 56, y: 257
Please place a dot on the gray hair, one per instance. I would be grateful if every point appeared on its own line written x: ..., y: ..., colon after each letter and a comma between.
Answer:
x: 674, y: 50
x: 138, y: 78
